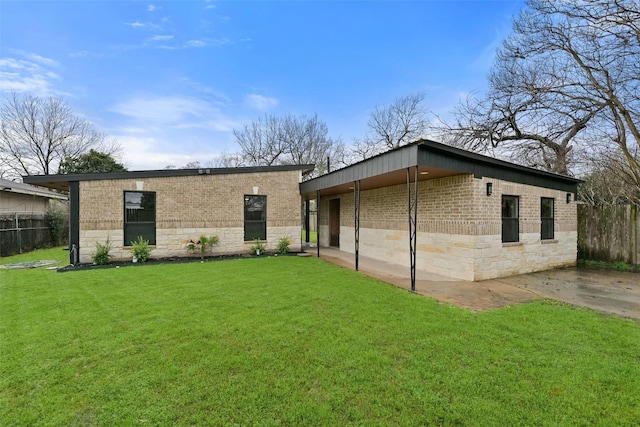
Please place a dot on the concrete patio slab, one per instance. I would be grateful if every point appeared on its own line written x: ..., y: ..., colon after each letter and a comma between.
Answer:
x: 608, y: 291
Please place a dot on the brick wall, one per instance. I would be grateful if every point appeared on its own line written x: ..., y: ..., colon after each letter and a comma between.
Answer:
x: 459, y: 228
x: 189, y: 206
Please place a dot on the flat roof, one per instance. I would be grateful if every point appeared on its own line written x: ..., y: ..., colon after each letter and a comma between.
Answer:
x: 61, y: 181
x: 433, y: 160
x: 20, y: 188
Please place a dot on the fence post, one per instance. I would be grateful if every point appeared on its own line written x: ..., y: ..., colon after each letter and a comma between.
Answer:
x: 18, y: 234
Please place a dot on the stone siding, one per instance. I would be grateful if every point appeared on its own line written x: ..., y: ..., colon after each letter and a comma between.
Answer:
x: 459, y: 228
x: 190, y: 206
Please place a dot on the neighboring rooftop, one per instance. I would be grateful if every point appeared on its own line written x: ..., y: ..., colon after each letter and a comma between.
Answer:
x: 31, y: 190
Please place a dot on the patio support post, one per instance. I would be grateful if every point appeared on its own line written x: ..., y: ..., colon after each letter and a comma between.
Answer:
x: 74, y: 222
x: 356, y: 218
x: 318, y: 221
x: 307, y: 221
x: 413, y: 219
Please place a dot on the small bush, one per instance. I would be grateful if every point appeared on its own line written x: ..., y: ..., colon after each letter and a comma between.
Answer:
x: 203, y: 244
x: 102, y: 254
x: 258, y: 248
x: 141, y: 250
x: 283, y: 245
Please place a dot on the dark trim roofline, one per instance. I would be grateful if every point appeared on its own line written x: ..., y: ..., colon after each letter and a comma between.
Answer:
x: 430, y: 154
x: 62, y: 180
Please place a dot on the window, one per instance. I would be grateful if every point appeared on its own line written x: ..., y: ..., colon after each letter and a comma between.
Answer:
x: 255, y: 218
x: 139, y: 216
x: 510, y: 219
x: 546, y: 216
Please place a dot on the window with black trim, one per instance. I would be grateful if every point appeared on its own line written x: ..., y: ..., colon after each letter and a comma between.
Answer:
x: 547, y: 218
x: 255, y: 218
x: 139, y: 216
x: 510, y: 219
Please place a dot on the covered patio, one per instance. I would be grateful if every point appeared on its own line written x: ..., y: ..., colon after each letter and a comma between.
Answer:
x: 439, y: 210
x: 477, y: 296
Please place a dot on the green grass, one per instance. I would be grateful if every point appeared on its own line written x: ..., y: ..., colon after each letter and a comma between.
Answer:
x: 608, y: 265
x: 313, y: 236
x: 296, y: 341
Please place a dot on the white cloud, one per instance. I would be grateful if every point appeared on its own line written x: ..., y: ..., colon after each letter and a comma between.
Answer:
x: 196, y: 43
x: 42, y: 60
x: 145, y: 153
x: 150, y: 153
x: 160, y: 38
x: 177, y: 112
x: 79, y: 54
x: 152, y: 7
x: 135, y: 24
x: 259, y: 102
x: 205, y: 42
x: 18, y: 75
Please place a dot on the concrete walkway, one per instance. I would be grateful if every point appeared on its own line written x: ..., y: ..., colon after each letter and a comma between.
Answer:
x: 608, y: 291
x: 477, y: 296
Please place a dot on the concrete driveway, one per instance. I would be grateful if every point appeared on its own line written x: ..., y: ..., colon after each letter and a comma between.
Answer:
x: 608, y: 291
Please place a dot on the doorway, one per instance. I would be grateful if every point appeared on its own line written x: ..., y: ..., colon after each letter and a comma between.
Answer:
x: 334, y: 223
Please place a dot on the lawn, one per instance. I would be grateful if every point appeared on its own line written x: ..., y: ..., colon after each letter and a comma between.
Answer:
x: 296, y: 341
x: 313, y: 236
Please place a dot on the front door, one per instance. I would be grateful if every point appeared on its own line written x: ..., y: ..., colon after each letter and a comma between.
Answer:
x: 334, y: 222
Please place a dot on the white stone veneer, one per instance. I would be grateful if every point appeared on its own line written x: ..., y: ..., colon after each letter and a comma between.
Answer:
x: 465, y: 257
x: 173, y: 242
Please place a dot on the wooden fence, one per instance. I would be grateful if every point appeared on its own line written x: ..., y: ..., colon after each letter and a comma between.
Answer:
x: 23, y: 232
x: 609, y: 233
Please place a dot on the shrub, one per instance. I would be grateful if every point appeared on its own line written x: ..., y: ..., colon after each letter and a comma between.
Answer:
x: 141, y: 250
x: 203, y: 244
x: 102, y: 256
x: 258, y: 248
x: 55, y: 219
x: 283, y: 245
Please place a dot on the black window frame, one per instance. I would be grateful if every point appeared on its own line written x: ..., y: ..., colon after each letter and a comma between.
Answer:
x: 255, y: 226
x: 547, y: 222
x: 510, y: 223
x: 134, y: 228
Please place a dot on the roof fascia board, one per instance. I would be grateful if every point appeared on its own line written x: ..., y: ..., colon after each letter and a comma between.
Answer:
x: 378, y: 165
x: 35, y: 179
x: 427, y: 153
x: 37, y: 193
x: 442, y: 156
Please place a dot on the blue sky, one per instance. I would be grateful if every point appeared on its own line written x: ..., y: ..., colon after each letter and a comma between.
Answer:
x: 170, y: 80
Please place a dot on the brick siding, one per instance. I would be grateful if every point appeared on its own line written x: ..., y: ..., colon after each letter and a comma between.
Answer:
x: 189, y: 206
x: 459, y: 227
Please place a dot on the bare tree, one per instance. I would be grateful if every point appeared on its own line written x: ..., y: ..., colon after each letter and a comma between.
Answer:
x: 37, y: 133
x: 261, y: 142
x: 391, y: 126
x: 609, y: 182
x: 289, y: 139
x: 568, y: 74
x: 598, y: 43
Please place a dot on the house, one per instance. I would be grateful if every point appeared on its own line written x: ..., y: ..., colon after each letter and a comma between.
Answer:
x: 427, y: 206
x: 444, y: 210
x: 16, y: 197
x: 171, y: 207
